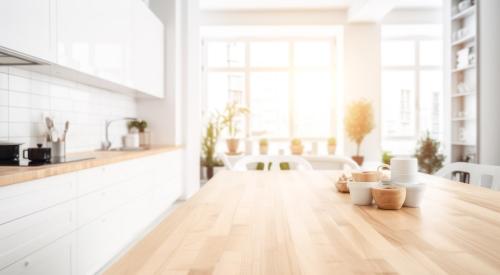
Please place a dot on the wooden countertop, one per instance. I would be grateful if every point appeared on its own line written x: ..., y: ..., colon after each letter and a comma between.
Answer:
x: 296, y: 223
x: 11, y: 174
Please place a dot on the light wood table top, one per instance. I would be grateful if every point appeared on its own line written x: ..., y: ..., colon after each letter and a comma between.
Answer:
x: 12, y: 174
x: 296, y: 223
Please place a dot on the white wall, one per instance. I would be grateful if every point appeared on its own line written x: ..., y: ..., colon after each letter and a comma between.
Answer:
x: 176, y: 118
x: 27, y: 97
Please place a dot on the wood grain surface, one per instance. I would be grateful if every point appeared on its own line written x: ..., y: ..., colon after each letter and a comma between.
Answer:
x: 297, y: 223
x: 12, y: 174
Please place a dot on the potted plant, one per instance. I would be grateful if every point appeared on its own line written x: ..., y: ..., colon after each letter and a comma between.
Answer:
x: 231, y: 112
x: 296, y: 147
x: 208, y: 144
x: 359, y: 123
x: 428, y: 156
x: 263, y: 146
x: 386, y: 157
x: 144, y: 135
x: 332, y: 145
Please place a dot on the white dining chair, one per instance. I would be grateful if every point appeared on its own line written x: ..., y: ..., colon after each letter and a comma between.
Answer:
x: 487, y: 176
x: 332, y: 163
x: 272, y: 163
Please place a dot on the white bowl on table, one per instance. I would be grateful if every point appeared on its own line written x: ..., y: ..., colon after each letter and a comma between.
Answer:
x: 414, y: 194
x: 361, y: 192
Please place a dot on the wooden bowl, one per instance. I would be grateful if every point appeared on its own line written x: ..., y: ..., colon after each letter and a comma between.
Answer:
x: 342, y: 186
x: 365, y: 176
x: 389, y: 197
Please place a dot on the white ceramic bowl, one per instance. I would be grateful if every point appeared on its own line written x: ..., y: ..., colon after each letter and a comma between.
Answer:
x: 361, y: 192
x: 414, y: 194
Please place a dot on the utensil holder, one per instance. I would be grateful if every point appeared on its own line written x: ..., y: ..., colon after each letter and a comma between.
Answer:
x: 58, y: 149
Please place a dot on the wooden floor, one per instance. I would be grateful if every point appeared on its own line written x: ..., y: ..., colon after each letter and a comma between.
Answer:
x: 296, y: 223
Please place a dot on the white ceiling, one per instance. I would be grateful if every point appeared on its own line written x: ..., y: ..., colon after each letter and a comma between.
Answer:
x: 304, y: 4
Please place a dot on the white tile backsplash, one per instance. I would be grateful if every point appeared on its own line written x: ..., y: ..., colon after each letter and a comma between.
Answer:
x: 26, y: 98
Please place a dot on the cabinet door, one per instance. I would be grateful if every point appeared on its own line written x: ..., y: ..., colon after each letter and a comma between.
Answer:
x: 21, y: 237
x: 54, y: 259
x: 147, y: 51
x: 93, y: 36
x: 25, y: 27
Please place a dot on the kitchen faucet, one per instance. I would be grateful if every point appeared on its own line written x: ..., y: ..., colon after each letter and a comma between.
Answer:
x: 106, y: 145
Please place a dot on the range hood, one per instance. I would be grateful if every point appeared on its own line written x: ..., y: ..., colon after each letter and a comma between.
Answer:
x: 9, y: 59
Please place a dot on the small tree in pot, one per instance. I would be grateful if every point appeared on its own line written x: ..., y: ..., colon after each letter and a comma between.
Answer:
x: 428, y: 156
x: 231, y: 112
x: 208, y: 144
x: 263, y: 146
x: 144, y: 136
x: 359, y: 123
x: 332, y: 145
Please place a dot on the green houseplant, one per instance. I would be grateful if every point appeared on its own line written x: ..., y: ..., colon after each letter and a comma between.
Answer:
x: 386, y: 157
x: 428, y: 156
x: 359, y: 123
x: 141, y: 126
x: 332, y: 145
x: 208, y: 144
x: 263, y: 146
x: 229, y: 116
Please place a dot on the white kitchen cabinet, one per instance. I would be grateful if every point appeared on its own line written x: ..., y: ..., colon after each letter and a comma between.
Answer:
x: 54, y: 259
x: 25, y: 27
x: 77, y: 222
x: 93, y: 36
x: 147, y: 50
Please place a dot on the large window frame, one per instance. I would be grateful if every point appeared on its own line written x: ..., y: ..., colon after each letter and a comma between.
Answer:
x: 291, y: 70
x: 417, y: 70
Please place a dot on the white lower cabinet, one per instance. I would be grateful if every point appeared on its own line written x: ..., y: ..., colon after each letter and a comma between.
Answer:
x: 78, y: 222
x: 54, y: 259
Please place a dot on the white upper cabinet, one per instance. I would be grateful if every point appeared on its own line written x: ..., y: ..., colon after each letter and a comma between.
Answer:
x: 116, y: 40
x: 25, y: 27
x: 147, y: 50
x: 93, y: 36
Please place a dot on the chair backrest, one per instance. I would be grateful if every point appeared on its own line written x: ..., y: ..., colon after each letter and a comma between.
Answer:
x: 332, y: 163
x: 225, y: 160
x: 487, y: 176
x: 272, y: 163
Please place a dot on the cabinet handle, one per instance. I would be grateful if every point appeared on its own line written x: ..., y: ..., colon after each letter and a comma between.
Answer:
x: 26, y: 263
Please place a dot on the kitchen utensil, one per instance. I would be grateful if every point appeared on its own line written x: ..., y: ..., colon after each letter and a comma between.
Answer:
x: 403, y: 170
x: 66, y: 127
x: 9, y: 151
x: 361, y: 192
x: 414, y: 194
x: 37, y: 154
x: 389, y: 197
x: 50, y: 125
x: 366, y: 176
x: 341, y: 184
x: 58, y: 149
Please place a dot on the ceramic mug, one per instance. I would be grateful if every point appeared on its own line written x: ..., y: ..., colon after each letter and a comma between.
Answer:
x: 361, y: 192
x: 403, y: 170
x: 414, y: 194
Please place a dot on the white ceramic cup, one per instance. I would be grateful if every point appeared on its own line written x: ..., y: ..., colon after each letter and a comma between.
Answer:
x: 361, y: 192
x: 403, y: 170
x: 414, y: 194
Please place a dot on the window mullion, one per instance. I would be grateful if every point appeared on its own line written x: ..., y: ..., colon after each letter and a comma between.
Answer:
x: 291, y: 91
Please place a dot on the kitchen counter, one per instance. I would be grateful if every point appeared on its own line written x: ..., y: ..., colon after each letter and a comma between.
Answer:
x: 295, y: 222
x: 13, y: 174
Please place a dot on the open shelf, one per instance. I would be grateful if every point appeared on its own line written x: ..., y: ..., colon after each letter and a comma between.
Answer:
x: 463, y: 94
x: 459, y: 143
x: 469, y: 38
x: 469, y: 67
x: 462, y: 118
x: 469, y: 11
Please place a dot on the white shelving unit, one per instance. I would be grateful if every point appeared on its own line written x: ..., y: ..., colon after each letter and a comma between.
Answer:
x: 464, y: 82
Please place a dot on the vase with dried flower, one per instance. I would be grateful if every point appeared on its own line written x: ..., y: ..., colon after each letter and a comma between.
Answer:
x: 358, y: 124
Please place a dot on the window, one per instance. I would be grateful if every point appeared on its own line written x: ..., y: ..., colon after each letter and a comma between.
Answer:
x: 412, y: 86
x: 287, y: 83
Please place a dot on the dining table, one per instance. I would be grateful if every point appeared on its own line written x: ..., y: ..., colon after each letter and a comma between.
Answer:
x: 296, y: 222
